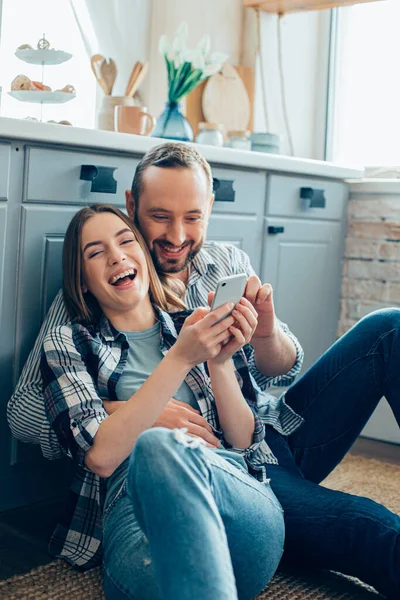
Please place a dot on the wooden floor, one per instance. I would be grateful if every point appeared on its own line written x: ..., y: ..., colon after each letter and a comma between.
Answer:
x: 24, y: 532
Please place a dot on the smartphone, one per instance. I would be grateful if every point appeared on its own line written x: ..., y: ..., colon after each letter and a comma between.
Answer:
x: 229, y: 289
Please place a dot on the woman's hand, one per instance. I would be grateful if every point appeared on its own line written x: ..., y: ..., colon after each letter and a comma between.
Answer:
x: 201, y: 337
x: 241, y: 330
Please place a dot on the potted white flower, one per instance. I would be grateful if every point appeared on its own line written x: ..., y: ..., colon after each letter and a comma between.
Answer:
x: 186, y: 68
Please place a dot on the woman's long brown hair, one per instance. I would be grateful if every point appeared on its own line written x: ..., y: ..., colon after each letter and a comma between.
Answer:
x: 84, y: 306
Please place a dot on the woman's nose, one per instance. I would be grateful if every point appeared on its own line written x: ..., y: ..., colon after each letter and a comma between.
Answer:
x: 116, y: 255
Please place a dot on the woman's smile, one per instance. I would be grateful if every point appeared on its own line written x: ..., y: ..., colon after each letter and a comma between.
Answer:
x: 123, y: 278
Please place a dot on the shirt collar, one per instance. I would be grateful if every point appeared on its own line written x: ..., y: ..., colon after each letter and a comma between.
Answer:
x: 200, y: 265
x: 111, y: 334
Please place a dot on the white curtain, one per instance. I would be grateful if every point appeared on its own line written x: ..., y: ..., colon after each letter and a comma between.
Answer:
x: 119, y: 29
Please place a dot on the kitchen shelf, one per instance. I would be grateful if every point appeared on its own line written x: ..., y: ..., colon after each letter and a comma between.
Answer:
x: 285, y: 6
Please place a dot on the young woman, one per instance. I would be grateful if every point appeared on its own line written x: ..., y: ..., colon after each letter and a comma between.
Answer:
x: 173, y: 516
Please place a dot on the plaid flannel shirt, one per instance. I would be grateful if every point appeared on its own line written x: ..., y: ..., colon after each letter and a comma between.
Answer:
x: 80, y: 366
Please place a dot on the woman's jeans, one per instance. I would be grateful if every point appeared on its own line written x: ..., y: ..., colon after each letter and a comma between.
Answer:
x: 189, y: 524
x: 336, y: 397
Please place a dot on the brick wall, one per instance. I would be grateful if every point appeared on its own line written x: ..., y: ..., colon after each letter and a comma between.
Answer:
x: 371, y: 266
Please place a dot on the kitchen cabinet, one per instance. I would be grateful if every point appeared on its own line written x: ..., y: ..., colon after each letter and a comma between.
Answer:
x: 43, y: 184
x: 302, y: 263
x: 303, y: 238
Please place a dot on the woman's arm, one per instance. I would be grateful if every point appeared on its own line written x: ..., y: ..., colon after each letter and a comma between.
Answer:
x: 77, y: 413
x: 235, y: 416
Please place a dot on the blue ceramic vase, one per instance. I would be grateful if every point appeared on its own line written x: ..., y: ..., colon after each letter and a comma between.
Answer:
x: 172, y: 124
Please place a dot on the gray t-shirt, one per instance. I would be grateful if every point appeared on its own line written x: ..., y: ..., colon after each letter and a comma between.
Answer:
x: 144, y: 355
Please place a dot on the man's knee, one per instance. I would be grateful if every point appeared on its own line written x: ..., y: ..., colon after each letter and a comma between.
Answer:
x: 384, y: 320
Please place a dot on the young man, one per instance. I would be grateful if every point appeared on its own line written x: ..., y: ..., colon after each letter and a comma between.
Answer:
x: 312, y: 427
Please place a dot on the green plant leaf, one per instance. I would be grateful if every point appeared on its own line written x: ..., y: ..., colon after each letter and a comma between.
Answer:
x: 179, y: 77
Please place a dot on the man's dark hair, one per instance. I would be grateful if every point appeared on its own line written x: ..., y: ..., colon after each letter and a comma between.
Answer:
x: 170, y: 156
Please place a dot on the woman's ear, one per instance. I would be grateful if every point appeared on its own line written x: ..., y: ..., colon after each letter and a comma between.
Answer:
x: 83, y: 287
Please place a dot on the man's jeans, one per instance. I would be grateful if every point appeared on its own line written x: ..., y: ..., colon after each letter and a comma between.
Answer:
x: 336, y: 397
x: 204, y: 528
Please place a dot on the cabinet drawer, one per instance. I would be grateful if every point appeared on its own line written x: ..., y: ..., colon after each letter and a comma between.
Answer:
x: 239, y: 191
x: 5, y: 150
x: 323, y: 199
x: 55, y: 176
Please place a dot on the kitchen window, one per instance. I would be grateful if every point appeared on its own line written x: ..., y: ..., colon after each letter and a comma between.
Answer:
x: 365, y: 113
x: 25, y: 22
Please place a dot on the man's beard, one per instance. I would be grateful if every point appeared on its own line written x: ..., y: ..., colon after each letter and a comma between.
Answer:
x: 170, y: 265
x: 173, y: 265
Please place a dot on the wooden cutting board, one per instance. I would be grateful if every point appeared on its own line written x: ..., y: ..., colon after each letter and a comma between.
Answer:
x: 225, y: 99
x: 194, y: 111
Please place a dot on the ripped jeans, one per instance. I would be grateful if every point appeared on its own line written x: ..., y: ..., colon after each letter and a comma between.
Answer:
x: 182, y: 520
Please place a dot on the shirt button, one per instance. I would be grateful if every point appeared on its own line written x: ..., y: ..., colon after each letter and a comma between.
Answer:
x: 74, y: 424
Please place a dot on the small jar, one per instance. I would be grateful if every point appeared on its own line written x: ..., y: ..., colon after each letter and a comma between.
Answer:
x: 211, y: 134
x: 240, y: 139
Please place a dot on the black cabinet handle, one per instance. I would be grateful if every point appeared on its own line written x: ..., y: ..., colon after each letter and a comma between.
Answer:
x: 223, y: 190
x: 101, y: 177
x: 312, y: 198
x: 274, y: 229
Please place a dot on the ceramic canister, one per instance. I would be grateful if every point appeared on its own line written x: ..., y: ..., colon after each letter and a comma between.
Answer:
x: 105, y: 116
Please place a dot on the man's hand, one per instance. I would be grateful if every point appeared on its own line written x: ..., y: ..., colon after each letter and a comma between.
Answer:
x: 261, y: 297
x: 178, y: 414
x: 112, y: 405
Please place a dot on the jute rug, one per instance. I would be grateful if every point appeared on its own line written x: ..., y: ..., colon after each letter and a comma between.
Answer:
x: 357, y: 475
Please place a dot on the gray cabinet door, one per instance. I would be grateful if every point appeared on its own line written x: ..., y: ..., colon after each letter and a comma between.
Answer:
x: 302, y: 264
x: 26, y: 477
x: 244, y: 231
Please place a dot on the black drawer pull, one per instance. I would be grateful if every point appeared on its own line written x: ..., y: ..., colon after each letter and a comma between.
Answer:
x: 101, y: 177
x: 312, y: 198
x: 223, y: 190
x: 274, y: 229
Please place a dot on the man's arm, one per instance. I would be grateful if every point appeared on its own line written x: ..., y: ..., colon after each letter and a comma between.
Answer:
x: 25, y: 410
x: 277, y: 356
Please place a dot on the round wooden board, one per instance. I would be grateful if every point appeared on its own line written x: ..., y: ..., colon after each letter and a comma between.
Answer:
x: 225, y: 100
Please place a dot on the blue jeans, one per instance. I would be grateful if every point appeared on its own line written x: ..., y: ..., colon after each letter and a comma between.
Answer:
x: 326, y: 528
x: 188, y: 522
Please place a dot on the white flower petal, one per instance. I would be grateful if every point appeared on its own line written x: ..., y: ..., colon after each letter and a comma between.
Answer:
x: 199, y: 62
x: 204, y: 45
x: 218, y: 57
x: 210, y: 69
x: 164, y: 45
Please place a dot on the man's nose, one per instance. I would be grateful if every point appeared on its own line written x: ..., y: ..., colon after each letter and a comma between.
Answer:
x: 176, y: 234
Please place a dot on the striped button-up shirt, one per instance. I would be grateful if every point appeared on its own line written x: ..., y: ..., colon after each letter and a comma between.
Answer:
x: 25, y: 411
x: 80, y: 367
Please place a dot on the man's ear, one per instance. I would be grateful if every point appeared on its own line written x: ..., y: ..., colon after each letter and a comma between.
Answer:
x: 211, y: 204
x: 130, y: 205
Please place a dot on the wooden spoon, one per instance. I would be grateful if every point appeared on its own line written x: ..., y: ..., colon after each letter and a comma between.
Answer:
x: 134, y: 73
x: 108, y: 72
x: 96, y: 62
x: 139, y: 79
